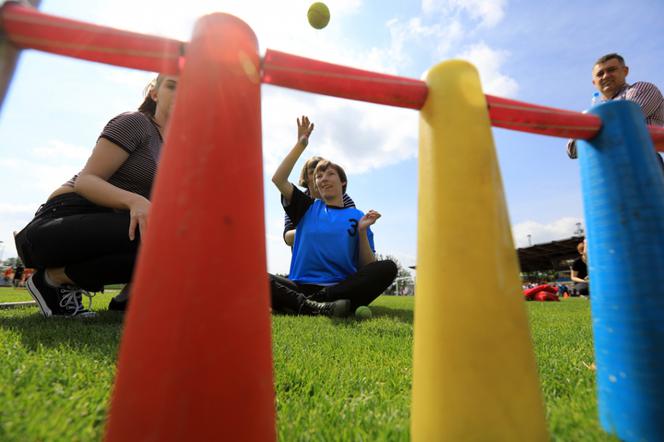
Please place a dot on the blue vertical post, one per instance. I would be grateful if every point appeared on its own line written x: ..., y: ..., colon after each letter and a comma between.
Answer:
x: 623, y: 198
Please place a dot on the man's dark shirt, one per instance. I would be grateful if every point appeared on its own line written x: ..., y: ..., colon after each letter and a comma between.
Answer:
x: 580, y: 268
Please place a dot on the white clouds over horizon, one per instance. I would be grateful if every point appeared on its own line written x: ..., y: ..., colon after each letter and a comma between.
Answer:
x: 544, y: 232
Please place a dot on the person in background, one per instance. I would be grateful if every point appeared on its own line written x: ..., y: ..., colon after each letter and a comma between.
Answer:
x: 609, y: 76
x: 579, y: 271
x: 18, y: 275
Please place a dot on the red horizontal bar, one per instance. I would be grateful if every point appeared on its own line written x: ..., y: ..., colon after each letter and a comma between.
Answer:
x: 309, y: 75
x: 28, y: 28
x: 526, y: 117
x: 305, y: 74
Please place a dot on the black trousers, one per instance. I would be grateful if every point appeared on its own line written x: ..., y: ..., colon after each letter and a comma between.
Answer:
x: 90, y: 242
x: 361, y: 288
x: 582, y: 288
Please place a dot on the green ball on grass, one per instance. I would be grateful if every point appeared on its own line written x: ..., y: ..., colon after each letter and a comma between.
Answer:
x: 363, y: 312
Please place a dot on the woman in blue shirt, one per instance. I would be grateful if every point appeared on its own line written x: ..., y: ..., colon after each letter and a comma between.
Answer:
x: 333, y: 269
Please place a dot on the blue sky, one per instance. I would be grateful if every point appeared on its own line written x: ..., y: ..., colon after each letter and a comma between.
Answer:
x: 535, y: 51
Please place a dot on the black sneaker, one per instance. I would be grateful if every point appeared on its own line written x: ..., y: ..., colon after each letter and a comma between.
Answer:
x: 339, y: 308
x: 58, y: 301
x: 117, y: 306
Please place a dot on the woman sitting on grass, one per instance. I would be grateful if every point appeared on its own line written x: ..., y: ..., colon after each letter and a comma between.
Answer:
x: 333, y: 269
x: 307, y: 181
x: 87, y: 233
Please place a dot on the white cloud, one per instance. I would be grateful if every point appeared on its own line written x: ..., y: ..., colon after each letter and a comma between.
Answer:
x: 489, y: 63
x: 278, y: 253
x: 132, y: 80
x: 543, y: 233
x: 56, y: 149
x: 276, y: 22
x: 408, y: 39
x: 13, y: 217
x: 358, y: 136
x: 42, y: 177
x: 487, y: 12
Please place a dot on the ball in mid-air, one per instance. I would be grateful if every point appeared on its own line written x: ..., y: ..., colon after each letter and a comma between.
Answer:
x: 318, y: 15
x: 363, y: 312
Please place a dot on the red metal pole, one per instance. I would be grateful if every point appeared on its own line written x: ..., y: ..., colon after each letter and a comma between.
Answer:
x: 28, y: 28
x: 305, y: 74
x: 8, y: 56
x: 291, y: 71
x: 195, y: 360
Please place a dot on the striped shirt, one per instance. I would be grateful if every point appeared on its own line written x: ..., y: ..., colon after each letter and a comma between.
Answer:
x: 649, y: 99
x: 288, y: 224
x: 138, y: 135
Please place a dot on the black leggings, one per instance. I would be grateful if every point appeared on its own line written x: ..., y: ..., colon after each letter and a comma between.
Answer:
x: 361, y: 288
x: 90, y: 242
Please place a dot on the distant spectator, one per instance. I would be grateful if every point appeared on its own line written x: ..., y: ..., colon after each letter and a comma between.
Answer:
x: 579, y: 271
x: 8, y: 275
x: 18, y: 275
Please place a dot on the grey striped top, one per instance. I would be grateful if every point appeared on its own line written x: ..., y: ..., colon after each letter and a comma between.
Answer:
x: 649, y: 99
x: 138, y: 135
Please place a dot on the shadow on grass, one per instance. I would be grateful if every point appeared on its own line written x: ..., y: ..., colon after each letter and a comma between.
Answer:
x: 377, y: 312
x: 402, y: 315
x: 98, y: 336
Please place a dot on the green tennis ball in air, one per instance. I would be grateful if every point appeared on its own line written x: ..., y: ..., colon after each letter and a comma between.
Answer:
x: 363, y: 312
x: 318, y: 15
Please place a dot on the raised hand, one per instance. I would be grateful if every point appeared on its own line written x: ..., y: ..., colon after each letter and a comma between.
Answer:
x: 368, y: 219
x: 304, y: 129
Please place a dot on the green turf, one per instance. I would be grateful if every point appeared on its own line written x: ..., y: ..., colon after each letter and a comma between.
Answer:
x: 335, y: 379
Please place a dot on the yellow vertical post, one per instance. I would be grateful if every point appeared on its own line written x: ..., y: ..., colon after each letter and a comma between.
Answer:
x: 474, y: 372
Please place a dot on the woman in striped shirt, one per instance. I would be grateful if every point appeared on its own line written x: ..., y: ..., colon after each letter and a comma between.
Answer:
x: 87, y: 233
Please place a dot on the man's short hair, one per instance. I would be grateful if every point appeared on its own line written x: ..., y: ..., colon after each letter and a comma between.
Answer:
x: 323, y: 165
x: 607, y: 57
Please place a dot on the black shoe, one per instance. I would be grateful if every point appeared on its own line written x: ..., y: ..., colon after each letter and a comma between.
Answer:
x: 117, y: 306
x: 58, y: 301
x: 338, y: 308
x: 320, y: 296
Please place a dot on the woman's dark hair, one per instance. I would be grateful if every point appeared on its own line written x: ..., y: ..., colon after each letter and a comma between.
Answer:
x: 149, y: 106
x: 310, y: 164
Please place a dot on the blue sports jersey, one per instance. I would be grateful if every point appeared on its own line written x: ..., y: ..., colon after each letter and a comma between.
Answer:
x: 326, y: 247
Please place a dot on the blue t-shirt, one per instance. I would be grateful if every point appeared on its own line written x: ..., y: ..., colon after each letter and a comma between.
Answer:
x: 326, y: 247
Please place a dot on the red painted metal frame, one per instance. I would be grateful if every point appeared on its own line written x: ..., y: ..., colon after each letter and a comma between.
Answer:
x: 28, y: 28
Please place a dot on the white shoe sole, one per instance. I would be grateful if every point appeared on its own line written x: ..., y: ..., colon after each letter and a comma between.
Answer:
x: 41, y: 302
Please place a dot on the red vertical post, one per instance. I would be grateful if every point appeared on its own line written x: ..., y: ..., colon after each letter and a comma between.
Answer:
x: 195, y: 359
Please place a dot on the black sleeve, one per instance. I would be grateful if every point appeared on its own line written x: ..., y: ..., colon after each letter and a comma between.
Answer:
x: 298, y: 206
x: 288, y: 224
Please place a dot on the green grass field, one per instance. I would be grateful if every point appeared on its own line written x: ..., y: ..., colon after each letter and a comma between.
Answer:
x: 345, y: 380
